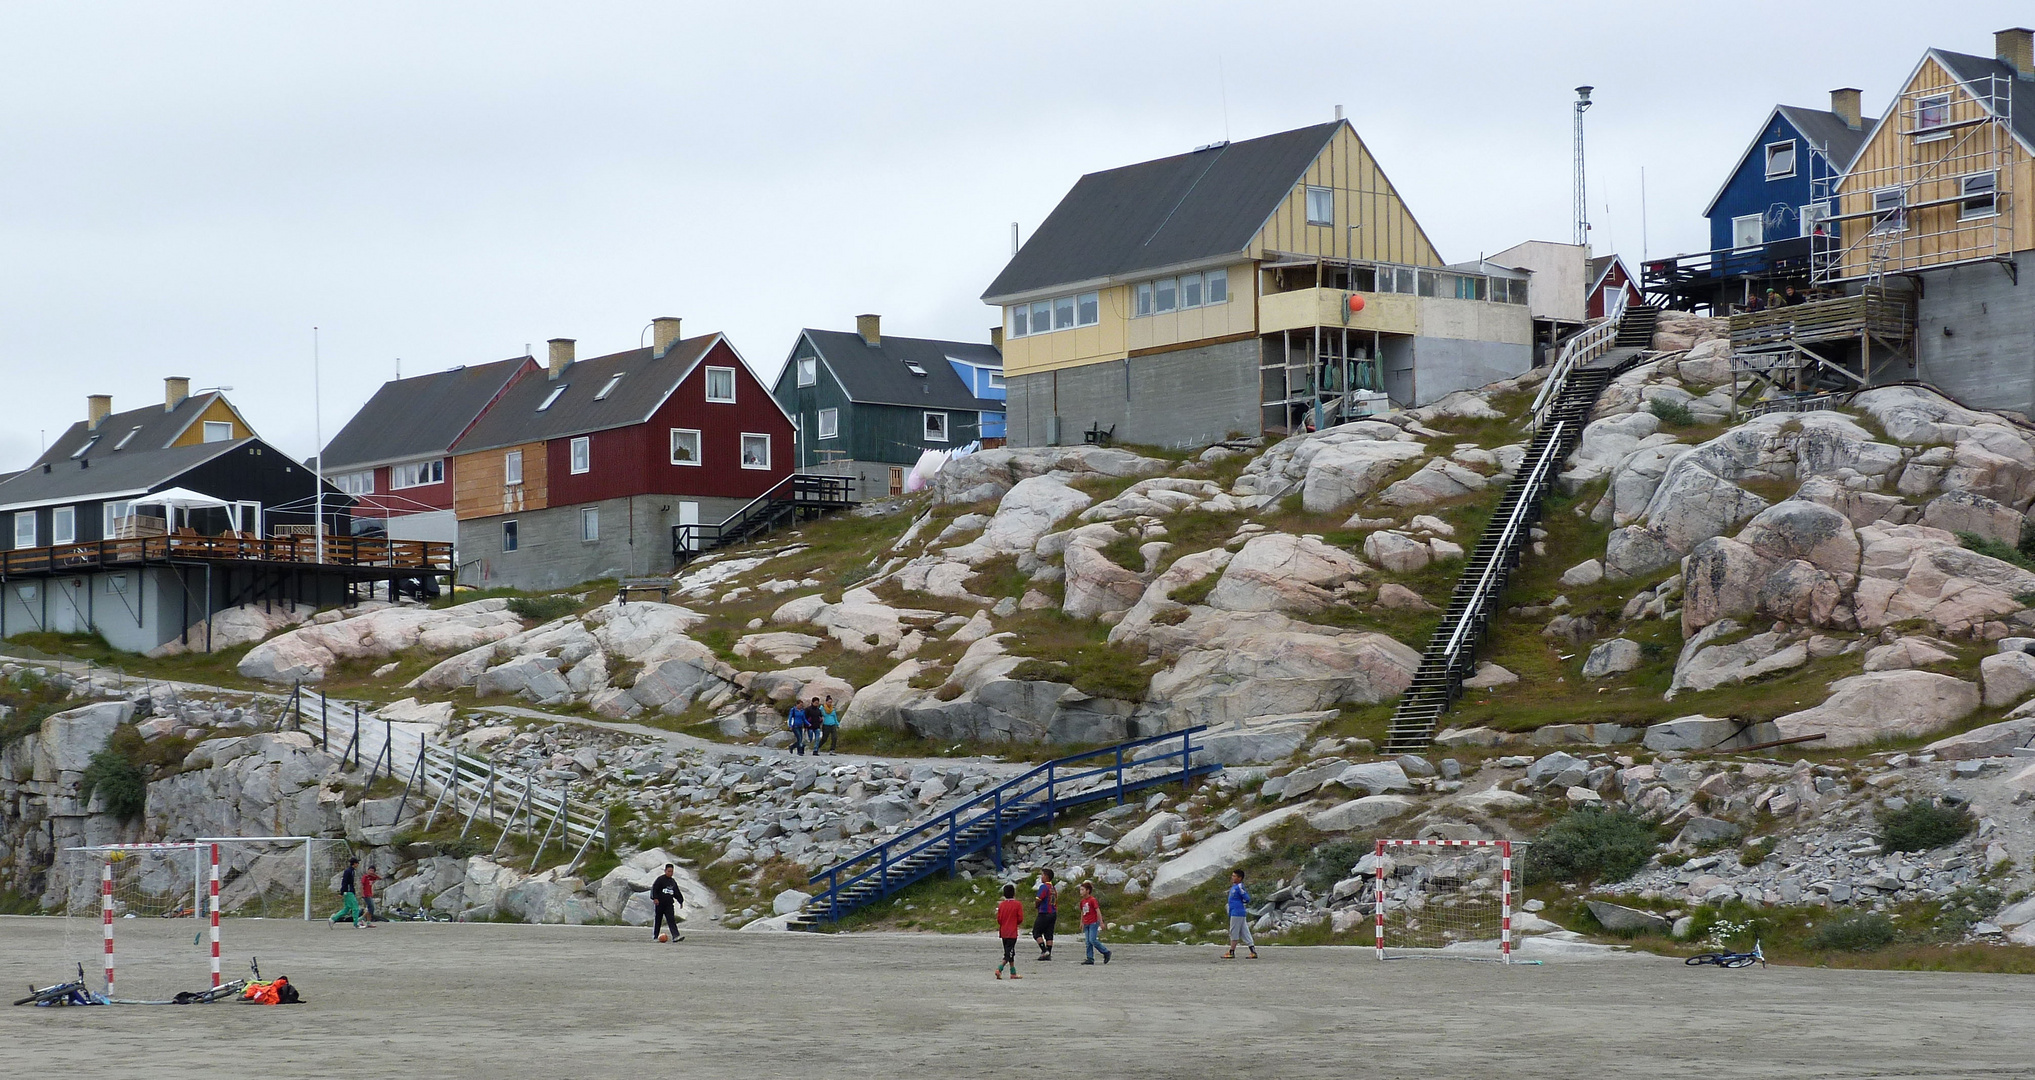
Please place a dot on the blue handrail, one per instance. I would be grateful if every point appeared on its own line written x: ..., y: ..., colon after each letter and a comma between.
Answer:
x: 1007, y: 807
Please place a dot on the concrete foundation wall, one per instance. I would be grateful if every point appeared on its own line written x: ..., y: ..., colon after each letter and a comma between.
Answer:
x: 1189, y: 397
x: 550, y: 554
x: 1442, y: 366
x: 437, y: 526
x: 139, y: 609
x: 1975, y: 336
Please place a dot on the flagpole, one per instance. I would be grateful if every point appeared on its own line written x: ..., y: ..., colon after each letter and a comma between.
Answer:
x: 318, y: 432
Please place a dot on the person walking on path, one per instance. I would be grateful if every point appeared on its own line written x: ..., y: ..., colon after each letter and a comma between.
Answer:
x: 367, y: 883
x: 796, y: 720
x: 1239, y: 917
x: 1048, y: 907
x: 813, y: 725
x: 1010, y: 920
x: 830, y: 726
x: 1091, y: 925
x: 664, y: 895
x: 349, y: 900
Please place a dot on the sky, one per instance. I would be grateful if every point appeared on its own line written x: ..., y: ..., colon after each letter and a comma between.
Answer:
x: 190, y: 188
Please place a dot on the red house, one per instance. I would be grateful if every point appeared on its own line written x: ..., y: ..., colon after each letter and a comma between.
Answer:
x: 581, y: 470
x: 1612, y: 287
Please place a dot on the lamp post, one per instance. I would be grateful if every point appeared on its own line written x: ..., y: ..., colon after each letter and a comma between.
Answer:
x: 1582, y: 199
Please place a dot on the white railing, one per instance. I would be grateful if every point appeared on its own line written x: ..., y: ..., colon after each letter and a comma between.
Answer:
x: 1581, y: 349
x: 1514, y: 523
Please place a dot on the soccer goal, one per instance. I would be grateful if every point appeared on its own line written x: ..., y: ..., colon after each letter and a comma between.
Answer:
x: 1447, y: 898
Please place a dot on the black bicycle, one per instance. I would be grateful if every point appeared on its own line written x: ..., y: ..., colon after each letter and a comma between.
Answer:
x: 63, y: 993
x: 1729, y: 959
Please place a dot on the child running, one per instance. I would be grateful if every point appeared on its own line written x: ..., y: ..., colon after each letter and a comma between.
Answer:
x: 1010, y: 918
x: 1239, y: 917
x: 1091, y: 925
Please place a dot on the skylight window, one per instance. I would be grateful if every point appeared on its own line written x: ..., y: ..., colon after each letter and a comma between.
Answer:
x: 608, y: 389
x: 127, y: 438
x: 550, y: 398
x: 85, y: 449
x: 914, y: 368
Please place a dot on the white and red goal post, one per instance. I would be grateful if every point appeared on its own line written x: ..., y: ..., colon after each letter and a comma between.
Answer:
x: 1452, y: 897
x: 123, y: 895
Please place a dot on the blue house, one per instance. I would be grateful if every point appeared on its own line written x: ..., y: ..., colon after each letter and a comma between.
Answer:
x: 982, y: 372
x: 1769, y: 219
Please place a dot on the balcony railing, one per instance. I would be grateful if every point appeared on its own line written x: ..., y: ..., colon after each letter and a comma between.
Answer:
x: 1889, y: 316
x: 370, y: 553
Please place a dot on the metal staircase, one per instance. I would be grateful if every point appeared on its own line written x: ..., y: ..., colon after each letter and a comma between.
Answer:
x: 981, y: 823
x: 1586, y: 365
x: 799, y: 493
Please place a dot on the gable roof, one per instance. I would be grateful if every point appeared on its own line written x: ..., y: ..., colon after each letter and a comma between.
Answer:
x: 120, y: 475
x: 1827, y: 134
x: 420, y: 416
x: 1166, y: 212
x: 1969, y: 69
x: 876, y: 374
x: 1600, y: 267
x: 152, y: 427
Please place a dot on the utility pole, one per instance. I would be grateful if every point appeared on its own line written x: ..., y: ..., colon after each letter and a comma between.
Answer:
x: 1582, y: 197
x: 318, y: 433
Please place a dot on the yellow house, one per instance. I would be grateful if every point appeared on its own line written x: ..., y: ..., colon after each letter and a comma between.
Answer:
x: 1183, y: 300
x: 1931, y: 207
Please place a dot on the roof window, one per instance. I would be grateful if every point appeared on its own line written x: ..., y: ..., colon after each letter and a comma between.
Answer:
x: 552, y: 397
x: 127, y: 438
x: 608, y: 389
x: 913, y: 367
x: 85, y: 449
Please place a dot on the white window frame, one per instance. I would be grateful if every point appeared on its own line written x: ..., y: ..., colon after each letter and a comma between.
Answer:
x: 589, y: 524
x: 1317, y: 191
x: 551, y: 398
x: 808, y: 370
x: 63, y: 525
x: 414, y: 474
x: 214, y: 432
x: 1020, y: 320
x: 1788, y: 145
x: 744, y: 445
x: 512, y: 468
x: 1965, y: 198
x: 1147, y: 302
x: 512, y: 536
x: 996, y: 380
x: 1209, y: 280
x: 1758, y: 222
x: 613, y: 381
x: 1042, y: 316
x: 1159, y: 285
x: 112, y: 513
x: 84, y: 448
x: 1926, y: 131
x: 360, y: 482
x: 580, y: 455
x: 946, y: 426
x: 830, y: 424
x: 1063, y: 312
x: 676, y: 434
x: 127, y: 438
x: 25, y: 537
x: 711, y: 373
x: 1087, y: 308
x: 1811, y: 214
x: 1896, y: 213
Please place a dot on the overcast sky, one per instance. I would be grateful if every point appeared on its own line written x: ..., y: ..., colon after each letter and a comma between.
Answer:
x: 187, y: 189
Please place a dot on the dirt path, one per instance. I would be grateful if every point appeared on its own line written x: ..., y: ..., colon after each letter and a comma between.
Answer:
x: 497, y: 1001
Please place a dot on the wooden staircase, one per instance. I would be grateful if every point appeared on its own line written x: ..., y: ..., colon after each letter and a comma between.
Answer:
x: 798, y: 494
x: 1451, y: 651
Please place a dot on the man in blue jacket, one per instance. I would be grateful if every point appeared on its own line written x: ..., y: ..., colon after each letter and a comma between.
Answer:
x: 1239, y: 917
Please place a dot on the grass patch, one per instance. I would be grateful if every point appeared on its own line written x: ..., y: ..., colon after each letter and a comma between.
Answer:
x: 542, y: 609
x: 1077, y: 652
x: 1672, y: 413
x: 1590, y: 845
x: 1854, y: 933
x: 1924, y: 825
x: 1123, y: 551
x: 1993, y: 549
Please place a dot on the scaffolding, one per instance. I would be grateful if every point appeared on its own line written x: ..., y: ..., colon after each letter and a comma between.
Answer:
x: 1937, y: 194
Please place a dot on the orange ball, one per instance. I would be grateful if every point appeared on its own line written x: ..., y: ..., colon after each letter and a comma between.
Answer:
x: 1356, y: 303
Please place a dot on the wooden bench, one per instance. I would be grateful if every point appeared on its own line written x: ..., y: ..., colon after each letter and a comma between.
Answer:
x: 660, y: 586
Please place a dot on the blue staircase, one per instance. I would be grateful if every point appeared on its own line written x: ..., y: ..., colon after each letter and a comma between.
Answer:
x: 981, y: 823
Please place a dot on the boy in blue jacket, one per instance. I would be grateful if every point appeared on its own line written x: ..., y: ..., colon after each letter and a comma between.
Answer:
x: 1239, y: 917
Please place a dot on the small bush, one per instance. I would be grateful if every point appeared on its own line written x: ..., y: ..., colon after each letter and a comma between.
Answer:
x: 542, y: 608
x: 1332, y: 862
x: 121, y: 781
x: 1671, y: 412
x: 1757, y: 851
x: 1591, y: 846
x: 1854, y: 933
x: 1924, y: 825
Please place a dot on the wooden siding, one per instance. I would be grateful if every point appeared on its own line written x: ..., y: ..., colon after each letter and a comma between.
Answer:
x: 1934, y: 235
x: 478, y: 490
x: 1363, y: 196
x: 218, y: 412
x: 389, y: 501
x: 805, y: 403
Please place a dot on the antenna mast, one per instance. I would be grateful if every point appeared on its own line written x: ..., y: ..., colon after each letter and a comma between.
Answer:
x: 1582, y: 198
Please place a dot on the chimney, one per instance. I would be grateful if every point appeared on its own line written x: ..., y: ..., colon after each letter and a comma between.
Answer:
x: 97, y: 408
x: 869, y: 326
x: 561, y: 355
x: 2015, y: 48
x: 663, y: 334
x: 1844, y: 102
x: 996, y: 338
x: 175, y: 389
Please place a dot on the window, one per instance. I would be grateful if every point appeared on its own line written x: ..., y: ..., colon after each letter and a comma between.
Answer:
x: 115, y: 514
x: 755, y: 451
x: 1747, y: 231
x: 127, y: 438
x: 509, y: 535
x: 721, y: 384
x: 1185, y: 291
x: 936, y: 427
x: 1144, y: 306
x: 996, y: 380
x: 685, y: 446
x: 1063, y: 313
x: 1981, y: 195
x: 830, y: 423
x: 512, y: 468
x: 1020, y: 320
x: 1190, y: 290
x: 1888, y: 215
x: 609, y: 388
x: 1058, y: 313
x: 915, y: 368
x: 1931, y: 113
x: 63, y: 525
x: 551, y: 398
x: 415, y: 474
x: 1087, y: 307
x: 1042, y: 317
x: 582, y: 454
x: 809, y: 370
x: 1216, y: 286
x: 24, y: 529
x: 1815, y: 219
x: 589, y: 523
x: 1166, y: 293
x: 85, y: 449
x: 354, y: 483
x: 1780, y: 160
x: 1320, y: 205
x: 218, y: 431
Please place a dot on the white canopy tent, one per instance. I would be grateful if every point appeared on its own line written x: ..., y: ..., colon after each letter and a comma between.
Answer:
x: 186, y: 500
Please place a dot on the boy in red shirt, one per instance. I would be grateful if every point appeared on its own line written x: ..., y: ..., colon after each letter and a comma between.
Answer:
x: 1091, y: 925
x: 367, y: 883
x: 1010, y: 917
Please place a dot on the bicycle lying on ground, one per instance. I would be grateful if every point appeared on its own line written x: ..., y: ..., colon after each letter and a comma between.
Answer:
x: 63, y: 993
x: 1729, y: 959
x: 222, y: 992
x: 410, y: 914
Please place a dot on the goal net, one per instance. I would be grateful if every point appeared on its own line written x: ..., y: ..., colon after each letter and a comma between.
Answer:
x: 1450, y: 898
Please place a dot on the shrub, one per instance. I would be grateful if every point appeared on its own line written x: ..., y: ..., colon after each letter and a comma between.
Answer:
x: 1590, y: 845
x: 542, y: 608
x: 1924, y: 825
x: 120, y: 780
x: 1671, y: 412
x: 1854, y: 933
x: 1332, y: 862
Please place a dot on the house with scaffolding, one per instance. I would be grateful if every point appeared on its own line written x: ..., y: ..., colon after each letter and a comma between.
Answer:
x: 1262, y: 286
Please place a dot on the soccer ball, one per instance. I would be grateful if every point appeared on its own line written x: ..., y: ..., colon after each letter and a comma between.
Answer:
x: 664, y: 938
x: 116, y: 856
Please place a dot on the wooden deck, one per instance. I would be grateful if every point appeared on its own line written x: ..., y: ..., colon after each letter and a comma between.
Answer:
x: 1888, y: 316
x: 355, y: 556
